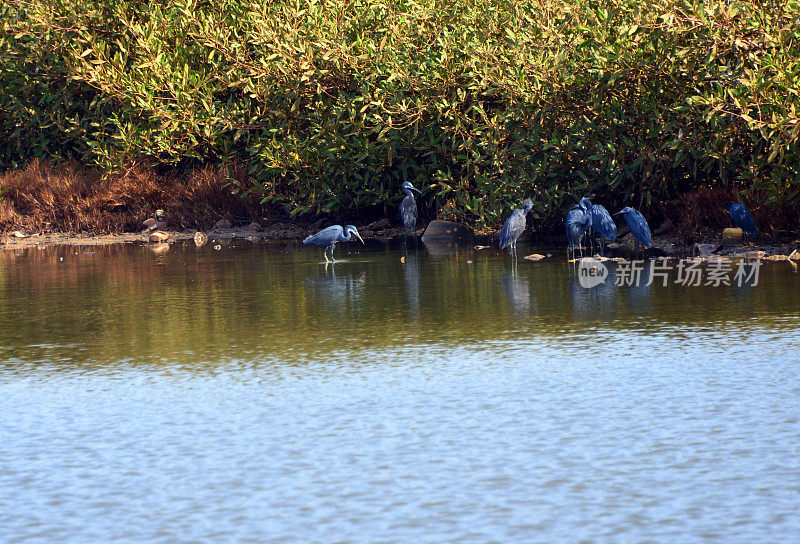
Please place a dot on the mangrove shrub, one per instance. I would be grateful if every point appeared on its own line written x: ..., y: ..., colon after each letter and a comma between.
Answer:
x: 329, y: 105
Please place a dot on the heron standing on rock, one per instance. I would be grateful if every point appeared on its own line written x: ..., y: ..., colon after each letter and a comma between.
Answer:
x: 514, y: 226
x: 408, y: 207
x: 741, y: 216
x: 638, y: 225
x: 329, y: 236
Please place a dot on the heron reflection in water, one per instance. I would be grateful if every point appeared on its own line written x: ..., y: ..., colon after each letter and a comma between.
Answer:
x: 336, y: 290
x: 411, y: 276
x: 516, y: 288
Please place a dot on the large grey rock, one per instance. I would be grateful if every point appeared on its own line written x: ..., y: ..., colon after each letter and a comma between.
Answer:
x: 447, y: 231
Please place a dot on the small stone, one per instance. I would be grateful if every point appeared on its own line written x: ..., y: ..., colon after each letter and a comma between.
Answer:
x: 403, y: 260
x: 222, y: 224
x: 254, y: 226
x: 469, y: 262
x: 534, y: 257
x: 200, y: 239
x: 482, y: 247
x: 19, y: 234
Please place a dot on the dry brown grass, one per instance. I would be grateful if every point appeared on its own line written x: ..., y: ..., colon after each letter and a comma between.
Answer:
x: 42, y: 198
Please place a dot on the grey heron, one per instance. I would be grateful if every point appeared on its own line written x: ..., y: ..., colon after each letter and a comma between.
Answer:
x: 408, y: 207
x: 602, y: 223
x: 741, y: 216
x: 329, y: 236
x: 578, y: 222
x: 514, y: 226
x: 638, y: 225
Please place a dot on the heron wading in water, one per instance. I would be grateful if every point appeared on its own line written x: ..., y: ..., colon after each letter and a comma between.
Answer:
x: 638, y: 225
x: 329, y: 236
x: 513, y: 227
x: 603, y: 225
x: 742, y: 218
x: 408, y: 207
x: 578, y: 222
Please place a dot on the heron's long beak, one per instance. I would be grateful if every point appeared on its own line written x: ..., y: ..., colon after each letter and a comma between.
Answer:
x: 619, y: 212
x: 359, y: 237
x: 415, y: 189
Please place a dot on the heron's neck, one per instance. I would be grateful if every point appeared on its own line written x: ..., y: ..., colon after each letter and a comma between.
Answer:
x: 408, y: 193
x: 346, y: 238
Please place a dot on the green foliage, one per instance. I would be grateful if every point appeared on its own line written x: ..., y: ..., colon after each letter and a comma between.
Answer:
x: 330, y: 104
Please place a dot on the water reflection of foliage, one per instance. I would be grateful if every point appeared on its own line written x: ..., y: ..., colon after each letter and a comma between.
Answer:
x: 265, y: 301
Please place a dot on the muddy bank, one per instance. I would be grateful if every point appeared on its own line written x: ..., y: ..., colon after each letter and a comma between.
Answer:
x: 380, y: 231
x: 666, y: 244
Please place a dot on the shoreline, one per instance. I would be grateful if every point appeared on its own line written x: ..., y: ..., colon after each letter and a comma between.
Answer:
x: 275, y: 231
x: 668, y: 245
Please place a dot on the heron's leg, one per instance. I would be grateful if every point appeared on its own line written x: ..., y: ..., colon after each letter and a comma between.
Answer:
x: 325, y: 254
x: 332, y: 259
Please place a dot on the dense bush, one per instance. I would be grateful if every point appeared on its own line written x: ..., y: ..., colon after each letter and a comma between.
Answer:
x: 330, y: 104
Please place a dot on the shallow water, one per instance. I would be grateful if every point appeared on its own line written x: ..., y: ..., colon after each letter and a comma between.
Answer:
x: 253, y: 394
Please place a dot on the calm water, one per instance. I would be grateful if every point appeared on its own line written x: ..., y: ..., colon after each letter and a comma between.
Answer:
x: 253, y: 395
